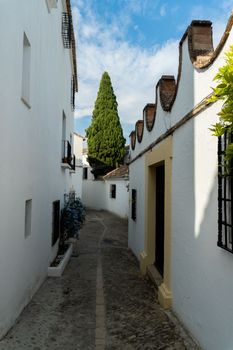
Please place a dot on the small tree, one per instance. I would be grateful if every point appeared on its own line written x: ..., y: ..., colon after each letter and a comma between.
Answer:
x: 224, y: 91
x: 106, y: 144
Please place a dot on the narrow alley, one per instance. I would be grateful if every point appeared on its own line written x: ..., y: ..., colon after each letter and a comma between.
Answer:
x: 100, y: 302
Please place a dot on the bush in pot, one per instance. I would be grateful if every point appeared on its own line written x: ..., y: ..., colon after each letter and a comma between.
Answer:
x: 72, y: 219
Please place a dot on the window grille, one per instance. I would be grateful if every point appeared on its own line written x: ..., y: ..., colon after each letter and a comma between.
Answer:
x: 56, y: 222
x: 72, y: 95
x: 66, y: 30
x: 133, y: 204
x: 225, y: 195
x: 66, y: 152
x: 113, y: 191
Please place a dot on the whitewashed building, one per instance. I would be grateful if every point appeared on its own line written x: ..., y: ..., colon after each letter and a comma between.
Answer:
x: 175, y: 196
x: 37, y: 87
x: 110, y: 193
x: 77, y: 175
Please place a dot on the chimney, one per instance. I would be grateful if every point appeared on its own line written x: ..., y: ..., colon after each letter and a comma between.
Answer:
x: 149, y: 115
x: 139, y: 129
x: 167, y: 90
x: 200, y: 39
x: 132, y: 139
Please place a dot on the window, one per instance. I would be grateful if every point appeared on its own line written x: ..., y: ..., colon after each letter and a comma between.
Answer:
x: 225, y: 195
x: 66, y: 153
x: 63, y: 126
x: 28, y: 218
x: 112, y: 191
x: 66, y: 149
x: 133, y: 204
x: 56, y: 222
x: 71, y: 144
x: 26, y: 70
x: 72, y: 95
x: 66, y: 30
x: 85, y: 173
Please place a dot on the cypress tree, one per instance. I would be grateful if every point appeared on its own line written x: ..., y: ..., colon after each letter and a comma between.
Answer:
x: 106, y: 144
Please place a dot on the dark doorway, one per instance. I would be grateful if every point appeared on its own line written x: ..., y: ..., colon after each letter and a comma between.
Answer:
x: 159, y: 218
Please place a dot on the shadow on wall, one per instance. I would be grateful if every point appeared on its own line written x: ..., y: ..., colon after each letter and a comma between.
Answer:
x: 202, y: 276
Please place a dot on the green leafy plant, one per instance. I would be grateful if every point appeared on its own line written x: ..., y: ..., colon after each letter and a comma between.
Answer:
x: 224, y: 91
x: 106, y: 144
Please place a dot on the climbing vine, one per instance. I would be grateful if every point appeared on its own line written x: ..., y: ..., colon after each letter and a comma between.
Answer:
x: 224, y: 91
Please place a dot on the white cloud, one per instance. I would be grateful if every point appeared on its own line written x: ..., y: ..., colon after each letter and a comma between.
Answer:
x: 163, y: 11
x: 134, y: 71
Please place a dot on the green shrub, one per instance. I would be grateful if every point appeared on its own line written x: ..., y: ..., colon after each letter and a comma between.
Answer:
x: 72, y: 218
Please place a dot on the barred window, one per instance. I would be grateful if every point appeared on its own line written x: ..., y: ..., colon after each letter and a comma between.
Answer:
x: 113, y: 191
x: 133, y: 204
x: 72, y: 95
x: 66, y: 30
x: 225, y: 195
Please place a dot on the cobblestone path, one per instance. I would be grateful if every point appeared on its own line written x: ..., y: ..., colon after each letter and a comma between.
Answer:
x: 101, y: 301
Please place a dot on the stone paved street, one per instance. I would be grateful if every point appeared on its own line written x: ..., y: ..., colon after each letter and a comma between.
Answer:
x: 101, y: 301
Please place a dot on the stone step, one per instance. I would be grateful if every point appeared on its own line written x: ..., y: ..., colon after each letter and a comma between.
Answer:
x: 154, y: 276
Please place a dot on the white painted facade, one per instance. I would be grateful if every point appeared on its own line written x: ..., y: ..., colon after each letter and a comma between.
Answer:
x: 31, y: 144
x: 96, y: 195
x: 136, y: 228
x: 201, y: 282
x: 77, y: 176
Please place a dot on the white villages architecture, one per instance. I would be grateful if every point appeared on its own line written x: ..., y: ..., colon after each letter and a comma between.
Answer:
x: 174, y: 190
x: 38, y: 82
x: 77, y: 175
x: 110, y: 193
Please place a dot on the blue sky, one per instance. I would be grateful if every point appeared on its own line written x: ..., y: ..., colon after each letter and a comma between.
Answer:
x: 136, y: 41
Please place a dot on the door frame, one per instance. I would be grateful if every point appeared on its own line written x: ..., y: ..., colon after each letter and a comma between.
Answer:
x: 161, y: 153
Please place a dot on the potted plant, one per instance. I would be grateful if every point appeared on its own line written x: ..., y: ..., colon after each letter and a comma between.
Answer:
x: 72, y: 219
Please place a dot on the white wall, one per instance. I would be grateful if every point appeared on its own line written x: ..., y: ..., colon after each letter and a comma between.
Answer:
x: 78, y: 146
x: 96, y: 195
x: 120, y: 204
x: 77, y: 179
x: 30, y: 148
x: 202, y: 284
x: 137, y: 227
x: 77, y: 176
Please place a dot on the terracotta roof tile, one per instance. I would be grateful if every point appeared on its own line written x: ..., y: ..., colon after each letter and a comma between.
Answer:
x: 121, y: 172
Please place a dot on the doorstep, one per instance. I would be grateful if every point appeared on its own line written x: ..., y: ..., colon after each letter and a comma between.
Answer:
x: 154, y: 276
